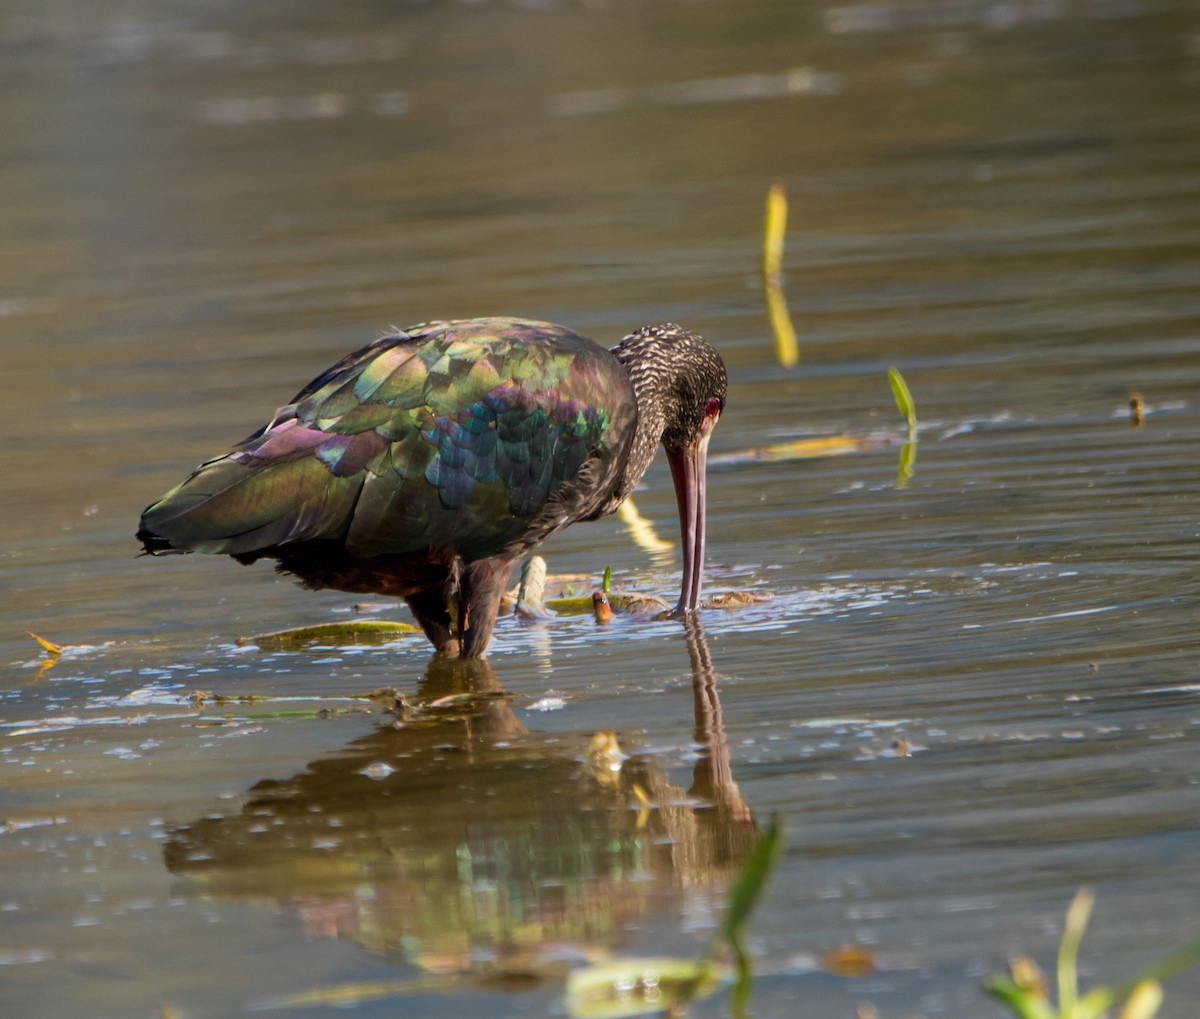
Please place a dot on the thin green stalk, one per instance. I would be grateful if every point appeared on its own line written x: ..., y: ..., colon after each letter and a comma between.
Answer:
x: 1068, y: 951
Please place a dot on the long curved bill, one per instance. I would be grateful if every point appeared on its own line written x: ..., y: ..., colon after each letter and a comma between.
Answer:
x: 688, y: 468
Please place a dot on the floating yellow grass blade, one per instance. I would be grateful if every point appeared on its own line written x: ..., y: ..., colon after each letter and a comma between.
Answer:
x: 362, y: 631
x: 787, y: 348
x: 349, y: 995
x: 798, y: 449
x: 643, y: 806
x: 774, y: 227
x: 642, y: 530
x: 47, y: 645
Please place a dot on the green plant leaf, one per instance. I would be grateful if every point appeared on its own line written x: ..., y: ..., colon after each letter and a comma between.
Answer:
x: 606, y: 580
x: 743, y: 897
x: 1022, y: 1003
x: 1174, y: 963
x: 751, y: 879
x: 1068, y: 950
x: 1143, y: 995
x: 904, y: 401
x: 906, y: 465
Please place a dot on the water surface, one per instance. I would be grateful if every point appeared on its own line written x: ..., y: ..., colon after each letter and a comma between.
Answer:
x: 969, y: 695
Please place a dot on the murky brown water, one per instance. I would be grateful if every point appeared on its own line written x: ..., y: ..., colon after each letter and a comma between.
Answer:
x: 204, y: 205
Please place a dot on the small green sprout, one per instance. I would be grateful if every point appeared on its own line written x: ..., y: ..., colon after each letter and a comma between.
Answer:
x: 904, y: 402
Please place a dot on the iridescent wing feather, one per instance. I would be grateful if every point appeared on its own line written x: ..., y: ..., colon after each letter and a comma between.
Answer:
x: 449, y: 435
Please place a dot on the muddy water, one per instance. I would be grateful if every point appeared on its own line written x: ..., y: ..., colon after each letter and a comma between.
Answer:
x: 970, y: 694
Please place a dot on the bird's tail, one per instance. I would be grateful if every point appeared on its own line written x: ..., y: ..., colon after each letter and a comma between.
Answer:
x: 274, y: 489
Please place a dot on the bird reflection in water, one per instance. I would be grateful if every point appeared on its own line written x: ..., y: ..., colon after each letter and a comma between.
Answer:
x: 481, y: 851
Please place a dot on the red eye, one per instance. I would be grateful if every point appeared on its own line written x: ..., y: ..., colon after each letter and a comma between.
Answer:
x: 713, y: 408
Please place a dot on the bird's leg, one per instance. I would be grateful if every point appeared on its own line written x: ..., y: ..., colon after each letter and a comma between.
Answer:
x: 480, y: 588
x: 431, y: 609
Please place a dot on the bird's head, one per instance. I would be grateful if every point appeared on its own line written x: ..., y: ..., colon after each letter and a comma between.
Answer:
x: 679, y: 377
x: 680, y: 383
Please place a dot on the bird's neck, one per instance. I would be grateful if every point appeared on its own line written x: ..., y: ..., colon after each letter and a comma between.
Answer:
x: 648, y: 395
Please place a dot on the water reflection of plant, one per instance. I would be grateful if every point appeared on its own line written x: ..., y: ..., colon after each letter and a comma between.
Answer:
x: 623, y: 988
x: 479, y: 849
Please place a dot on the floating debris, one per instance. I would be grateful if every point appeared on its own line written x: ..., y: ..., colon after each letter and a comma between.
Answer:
x: 737, y: 599
x: 849, y: 961
x: 632, y: 602
x: 555, y: 585
x: 605, y: 757
x: 361, y: 631
x: 604, y: 750
x: 47, y: 645
x: 57, y: 652
x: 388, y: 698
x: 1137, y: 410
x: 374, y: 606
x: 532, y: 589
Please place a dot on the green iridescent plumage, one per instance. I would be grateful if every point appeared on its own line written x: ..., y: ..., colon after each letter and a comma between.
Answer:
x: 448, y: 435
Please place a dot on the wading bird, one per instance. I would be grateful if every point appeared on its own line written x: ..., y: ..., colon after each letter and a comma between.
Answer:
x: 426, y: 464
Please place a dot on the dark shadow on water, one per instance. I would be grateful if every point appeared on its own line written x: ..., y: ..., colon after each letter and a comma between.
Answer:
x: 454, y: 839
